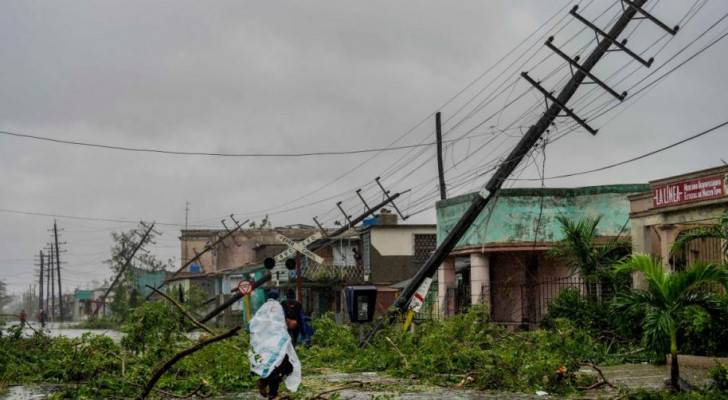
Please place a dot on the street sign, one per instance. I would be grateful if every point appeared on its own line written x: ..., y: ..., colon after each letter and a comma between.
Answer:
x: 246, y: 287
x: 300, y: 247
x: 419, y: 298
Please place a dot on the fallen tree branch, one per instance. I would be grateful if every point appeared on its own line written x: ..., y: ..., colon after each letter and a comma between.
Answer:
x: 348, y: 385
x: 406, y: 364
x: 183, y: 311
x: 177, y: 396
x: 598, y: 384
x: 184, y: 353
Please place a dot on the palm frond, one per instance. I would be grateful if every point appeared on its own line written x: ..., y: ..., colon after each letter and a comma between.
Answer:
x: 658, y: 326
x: 695, y: 276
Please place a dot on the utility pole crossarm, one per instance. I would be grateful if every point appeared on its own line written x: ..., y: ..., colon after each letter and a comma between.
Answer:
x: 574, y: 62
x: 611, y: 38
x: 550, y: 96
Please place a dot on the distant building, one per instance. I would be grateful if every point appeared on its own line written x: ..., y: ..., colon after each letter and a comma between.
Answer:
x: 501, y: 260
x: 393, y: 252
x: 241, y: 256
x: 672, y: 206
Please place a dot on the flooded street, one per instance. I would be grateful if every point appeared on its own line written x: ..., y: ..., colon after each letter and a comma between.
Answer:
x: 67, y: 329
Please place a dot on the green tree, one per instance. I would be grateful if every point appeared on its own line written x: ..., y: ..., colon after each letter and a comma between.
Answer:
x: 126, y: 292
x: 667, y: 296
x: 583, y: 253
x: 718, y: 231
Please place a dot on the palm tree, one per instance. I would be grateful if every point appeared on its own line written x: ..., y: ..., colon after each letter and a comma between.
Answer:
x: 718, y: 231
x: 667, y: 295
x: 582, y: 252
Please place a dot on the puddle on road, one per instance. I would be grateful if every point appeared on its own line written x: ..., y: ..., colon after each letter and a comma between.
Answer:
x: 24, y: 393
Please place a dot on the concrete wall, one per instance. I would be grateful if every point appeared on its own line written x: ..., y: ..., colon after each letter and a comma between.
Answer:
x: 397, y: 241
x: 247, y: 247
x: 516, y: 214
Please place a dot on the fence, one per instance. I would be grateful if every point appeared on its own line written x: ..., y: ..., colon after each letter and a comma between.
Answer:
x: 509, y: 302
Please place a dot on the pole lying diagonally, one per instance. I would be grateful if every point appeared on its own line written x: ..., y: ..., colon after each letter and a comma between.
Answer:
x: 197, y: 256
x: 127, y: 262
x: 519, y: 152
x: 319, y: 244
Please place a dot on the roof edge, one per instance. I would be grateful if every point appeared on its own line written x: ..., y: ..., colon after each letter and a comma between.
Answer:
x: 630, y: 188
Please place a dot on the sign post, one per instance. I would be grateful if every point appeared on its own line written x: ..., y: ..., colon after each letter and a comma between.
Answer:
x: 245, y: 288
x: 295, y: 248
x: 299, y: 247
x: 416, y: 303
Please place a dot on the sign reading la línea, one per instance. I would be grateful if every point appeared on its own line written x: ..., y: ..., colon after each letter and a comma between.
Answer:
x: 672, y: 194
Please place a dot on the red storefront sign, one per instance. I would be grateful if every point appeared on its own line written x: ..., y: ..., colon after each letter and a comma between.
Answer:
x: 699, y: 189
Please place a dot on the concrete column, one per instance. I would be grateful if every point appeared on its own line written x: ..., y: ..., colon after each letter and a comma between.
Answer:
x: 445, y: 281
x: 480, y: 279
x: 668, y: 234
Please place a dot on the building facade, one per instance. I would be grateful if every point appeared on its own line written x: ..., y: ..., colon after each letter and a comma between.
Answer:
x: 502, y: 260
x: 393, y: 252
x: 676, y: 205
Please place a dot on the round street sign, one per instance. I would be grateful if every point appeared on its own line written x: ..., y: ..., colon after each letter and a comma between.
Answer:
x: 245, y: 287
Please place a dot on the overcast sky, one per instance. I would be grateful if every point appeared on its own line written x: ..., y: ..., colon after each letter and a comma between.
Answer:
x: 295, y: 76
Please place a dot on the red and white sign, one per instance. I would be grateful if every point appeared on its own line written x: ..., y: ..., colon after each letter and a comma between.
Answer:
x: 245, y: 287
x: 419, y: 297
x: 672, y: 194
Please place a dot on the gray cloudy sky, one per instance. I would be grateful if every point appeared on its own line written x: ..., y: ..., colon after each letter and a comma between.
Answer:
x: 295, y: 76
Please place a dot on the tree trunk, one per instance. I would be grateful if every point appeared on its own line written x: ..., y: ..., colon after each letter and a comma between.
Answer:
x: 674, y: 373
x: 674, y: 367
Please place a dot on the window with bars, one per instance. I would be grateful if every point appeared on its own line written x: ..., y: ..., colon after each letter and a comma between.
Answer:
x: 425, y: 244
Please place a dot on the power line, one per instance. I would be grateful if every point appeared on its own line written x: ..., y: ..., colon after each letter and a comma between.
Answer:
x: 212, y: 154
x: 43, y: 214
x: 633, y: 159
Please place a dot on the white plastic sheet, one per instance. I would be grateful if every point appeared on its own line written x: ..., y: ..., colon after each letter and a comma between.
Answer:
x: 270, y: 343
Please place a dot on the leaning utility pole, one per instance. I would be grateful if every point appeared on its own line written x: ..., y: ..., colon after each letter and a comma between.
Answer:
x: 532, y: 136
x: 321, y: 243
x: 440, y: 170
x: 123, y: 268
x: 58, y: 269
x: 220, y: 240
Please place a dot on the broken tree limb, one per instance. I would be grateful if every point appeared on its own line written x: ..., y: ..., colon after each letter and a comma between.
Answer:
x: 182, y: 310
x: 195, y: 392
x: 394, y: 346
x: 348, y: 385
x: 182, y: 354
x: 597, y: 384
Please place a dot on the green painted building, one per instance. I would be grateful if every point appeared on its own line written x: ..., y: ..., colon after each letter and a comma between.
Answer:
x: 501, y: 260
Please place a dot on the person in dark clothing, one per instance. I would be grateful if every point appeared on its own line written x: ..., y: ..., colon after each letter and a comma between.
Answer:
x: 293, y: 310
x: 23, y: 318
x: 268, y: 387
x: 42, y: 318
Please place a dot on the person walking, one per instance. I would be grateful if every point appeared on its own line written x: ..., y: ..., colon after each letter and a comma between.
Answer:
x: 23, y: 319
x: 271, y: 355
x: 293, y: 311
x: 41, y: 318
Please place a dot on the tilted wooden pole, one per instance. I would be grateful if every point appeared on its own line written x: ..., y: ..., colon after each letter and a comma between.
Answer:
x: 506, y: 168
x: 126, y: 264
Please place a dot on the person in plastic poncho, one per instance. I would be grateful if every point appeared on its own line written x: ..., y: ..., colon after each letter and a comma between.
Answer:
x: 271, y: 354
